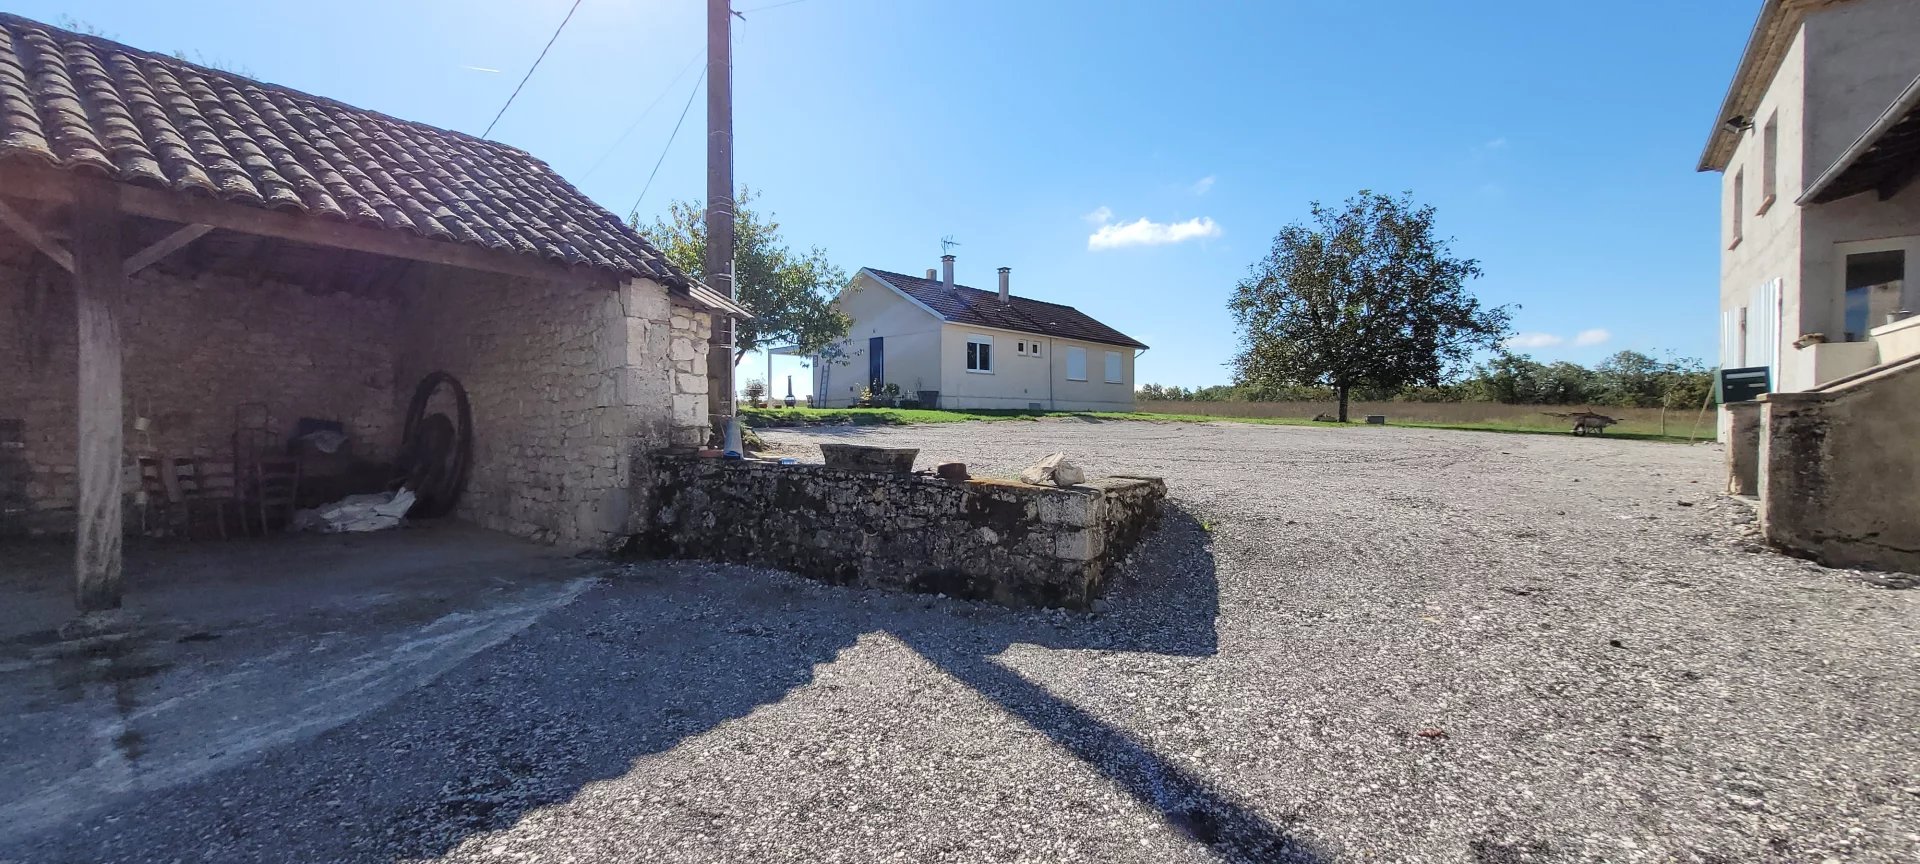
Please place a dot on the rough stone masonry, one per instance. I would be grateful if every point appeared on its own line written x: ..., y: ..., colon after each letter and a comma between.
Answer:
x: 996, y: 540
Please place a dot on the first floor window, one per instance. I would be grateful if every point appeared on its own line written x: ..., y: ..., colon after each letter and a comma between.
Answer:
x: 979, y: 353
x: 1113, y: 368
x: 1076, y: 364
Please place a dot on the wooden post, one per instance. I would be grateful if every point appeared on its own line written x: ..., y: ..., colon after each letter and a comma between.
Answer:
x: 98, y: 288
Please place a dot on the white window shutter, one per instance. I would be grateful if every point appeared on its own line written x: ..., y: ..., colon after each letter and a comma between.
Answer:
x: 1763, y: 326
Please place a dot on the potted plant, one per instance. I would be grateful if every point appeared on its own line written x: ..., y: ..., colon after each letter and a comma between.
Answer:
x: 893, y: 395
x: 757, y: 393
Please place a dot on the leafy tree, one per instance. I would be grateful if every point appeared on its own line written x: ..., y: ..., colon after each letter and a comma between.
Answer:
x: 791, y: 293
x: 1364, y: 296
x: 1564, y: 383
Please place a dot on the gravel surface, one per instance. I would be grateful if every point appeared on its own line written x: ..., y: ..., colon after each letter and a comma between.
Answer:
x: 1344, y: 645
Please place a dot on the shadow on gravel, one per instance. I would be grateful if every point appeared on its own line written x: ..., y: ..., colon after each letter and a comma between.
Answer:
x: 1163, y: 602
x: 641, y: 665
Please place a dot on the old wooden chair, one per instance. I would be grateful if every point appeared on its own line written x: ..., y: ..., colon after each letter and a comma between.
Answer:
x: 156, y: 497
x: 276, y: 490
x: 204, y: 487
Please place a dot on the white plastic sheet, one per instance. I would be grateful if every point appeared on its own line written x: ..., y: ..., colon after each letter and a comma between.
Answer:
x: 356, y: 513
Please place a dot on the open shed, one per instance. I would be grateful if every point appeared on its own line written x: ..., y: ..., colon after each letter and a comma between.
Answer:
x: 196, y: 268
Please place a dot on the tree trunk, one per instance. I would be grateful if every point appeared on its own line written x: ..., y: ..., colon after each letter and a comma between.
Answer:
x: 1343, y: 400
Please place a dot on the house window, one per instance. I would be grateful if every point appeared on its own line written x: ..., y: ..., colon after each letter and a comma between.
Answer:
x: 1739, y: 205
x: 1769, y: 161
x: 1113, y: 368
x: 979, y: 353
x: 1020, y: 348
x: 1874, y: 281
x: 1076, y: 364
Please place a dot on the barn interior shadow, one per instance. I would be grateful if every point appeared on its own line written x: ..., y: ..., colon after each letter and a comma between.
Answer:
x: 647, y: 661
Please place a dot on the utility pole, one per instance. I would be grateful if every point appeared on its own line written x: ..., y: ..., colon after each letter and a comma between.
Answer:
x: 720, y: 204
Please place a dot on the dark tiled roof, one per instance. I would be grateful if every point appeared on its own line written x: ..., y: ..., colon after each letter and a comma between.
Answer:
x: 82, y: 103
x: 963, y: 305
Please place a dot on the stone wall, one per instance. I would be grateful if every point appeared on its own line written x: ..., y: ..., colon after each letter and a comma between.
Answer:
x: 982, y: 539
x: 571, y: 385
x: 194, y: 350
x: 1839, y: 472
x: 568, y: 384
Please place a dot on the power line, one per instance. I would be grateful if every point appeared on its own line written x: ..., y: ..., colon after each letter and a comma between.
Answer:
x: 766, y: 7
x: 643, y: 115
x: 536, y: 65
x: 635, y: 212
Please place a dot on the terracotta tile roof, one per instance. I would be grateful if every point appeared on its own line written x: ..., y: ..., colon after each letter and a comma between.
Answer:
x: 963, y: 305
x: 86, y: 104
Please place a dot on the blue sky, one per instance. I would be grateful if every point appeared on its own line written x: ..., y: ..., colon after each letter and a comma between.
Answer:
x: 1557, y: 140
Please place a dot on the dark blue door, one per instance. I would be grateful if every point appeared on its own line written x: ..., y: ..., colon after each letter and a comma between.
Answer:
x: 877, y: 364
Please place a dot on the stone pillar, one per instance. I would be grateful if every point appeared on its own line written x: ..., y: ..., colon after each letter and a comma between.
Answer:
x: 1793, y: 481
x: 1743, y: 448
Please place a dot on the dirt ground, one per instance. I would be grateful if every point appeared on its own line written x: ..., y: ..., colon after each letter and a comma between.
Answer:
x: 1343, y: 645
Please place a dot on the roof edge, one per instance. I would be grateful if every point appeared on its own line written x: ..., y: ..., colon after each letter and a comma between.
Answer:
x: 875, y: 276
x: 1906, y: 102
x: 235, y: 76
x: 1765, y: 47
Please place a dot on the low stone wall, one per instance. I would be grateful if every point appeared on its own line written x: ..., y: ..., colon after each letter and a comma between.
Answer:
x: 993, y: 540
x: 1839, y: 472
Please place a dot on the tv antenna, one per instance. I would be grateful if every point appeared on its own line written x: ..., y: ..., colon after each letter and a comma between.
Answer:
x: 947, y: 243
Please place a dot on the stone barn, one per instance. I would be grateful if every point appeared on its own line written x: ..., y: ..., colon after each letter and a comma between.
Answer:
x: 197, y: 269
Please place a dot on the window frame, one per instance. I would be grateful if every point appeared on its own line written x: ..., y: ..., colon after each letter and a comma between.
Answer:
x: 1082, y: 352
x: 1739, y: 206
x: 972, y: 360
x: 1769, y: 162
x: 1114, y: 369
x: 1909, y: 249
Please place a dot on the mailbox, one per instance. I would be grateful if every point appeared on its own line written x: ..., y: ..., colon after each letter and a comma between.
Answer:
x: 1742, y: 385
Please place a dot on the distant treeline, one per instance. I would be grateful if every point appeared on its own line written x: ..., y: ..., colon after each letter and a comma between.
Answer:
x: 1627, y: 379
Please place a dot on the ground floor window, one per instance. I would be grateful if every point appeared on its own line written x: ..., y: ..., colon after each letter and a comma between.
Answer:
x: 1076, y: 364
x: 1113, y: 368
x: 1874, y: 282
x: 979, y: 353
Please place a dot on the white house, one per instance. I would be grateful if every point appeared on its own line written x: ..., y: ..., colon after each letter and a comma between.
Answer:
x: 1819, y: 143
x: 958, y: 347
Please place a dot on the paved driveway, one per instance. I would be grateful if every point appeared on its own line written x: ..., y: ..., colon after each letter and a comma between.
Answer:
x: 1345, y: 645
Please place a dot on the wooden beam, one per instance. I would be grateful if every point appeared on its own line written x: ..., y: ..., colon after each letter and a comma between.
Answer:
x: 50, y: 184
x: 30, y: 232
x: 98, y: 286
x: 165, y: 246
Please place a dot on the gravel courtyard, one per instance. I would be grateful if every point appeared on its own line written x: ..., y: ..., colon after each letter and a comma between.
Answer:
x: 1363, y: 644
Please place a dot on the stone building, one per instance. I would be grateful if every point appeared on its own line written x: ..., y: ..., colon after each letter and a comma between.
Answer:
x: 1818, y: 144
x: 180, y: 244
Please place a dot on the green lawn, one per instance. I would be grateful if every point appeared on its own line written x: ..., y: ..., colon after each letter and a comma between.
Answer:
x: 764, y: 418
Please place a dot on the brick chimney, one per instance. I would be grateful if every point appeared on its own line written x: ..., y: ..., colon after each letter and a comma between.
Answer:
x: 946, y: 271
x: 1006, y: 293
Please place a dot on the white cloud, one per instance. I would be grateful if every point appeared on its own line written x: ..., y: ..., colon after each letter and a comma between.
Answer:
x: 1099, y: 216
x: 1202, y: 185
x: 1595, y: 336
x: 1534, y: 340
x: 1495, y: 144
x: 1145, y: 232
